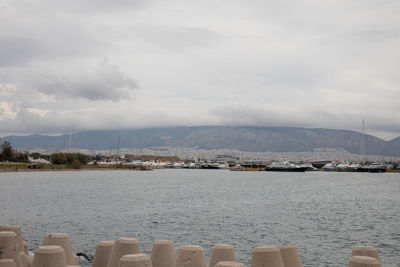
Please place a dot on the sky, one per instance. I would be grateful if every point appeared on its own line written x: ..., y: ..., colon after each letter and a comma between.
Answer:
x: 105, y: 64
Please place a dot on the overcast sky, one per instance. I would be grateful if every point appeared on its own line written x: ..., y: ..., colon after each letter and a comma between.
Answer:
x: 107, y: 64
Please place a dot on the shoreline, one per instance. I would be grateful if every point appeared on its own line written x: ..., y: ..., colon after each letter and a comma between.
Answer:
x: 24, y: 167
x: 63, y: 170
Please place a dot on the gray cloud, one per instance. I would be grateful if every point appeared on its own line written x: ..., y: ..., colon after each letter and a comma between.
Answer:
x: 176, y: 39
x: 377, y: 35
x: 93, y: 6
x: 305, y: 63
x: 17, y: 51
x: 107, y: 82
x: 277, y: 115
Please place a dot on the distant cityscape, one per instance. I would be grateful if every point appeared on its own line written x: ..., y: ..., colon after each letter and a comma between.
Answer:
x: 235, y: 148
x: 166, y: 157
x: 208, y: 154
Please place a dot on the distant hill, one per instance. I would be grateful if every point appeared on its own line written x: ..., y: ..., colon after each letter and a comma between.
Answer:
x: 395, y: 141
x: 252, y: 139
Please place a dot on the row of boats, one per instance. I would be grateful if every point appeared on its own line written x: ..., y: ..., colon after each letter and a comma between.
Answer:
x: 355, y: 167
x: 283, y: 166
x: 286, y: 167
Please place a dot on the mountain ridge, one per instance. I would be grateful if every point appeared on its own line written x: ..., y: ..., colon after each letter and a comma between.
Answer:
x: 395, y: 140
x: 243, y: 138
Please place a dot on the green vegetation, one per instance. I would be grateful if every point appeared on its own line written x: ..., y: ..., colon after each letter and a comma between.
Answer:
x: 36, y: 155
x: 71, y: 160
x: 13, y: 160
x: 6, y: 151
x: 8, y: 154
x: 12, y: 166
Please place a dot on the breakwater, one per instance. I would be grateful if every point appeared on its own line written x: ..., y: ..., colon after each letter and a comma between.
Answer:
x: 57, y: 251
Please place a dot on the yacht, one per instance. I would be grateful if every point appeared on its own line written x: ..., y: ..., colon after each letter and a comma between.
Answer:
x: 285, y: 167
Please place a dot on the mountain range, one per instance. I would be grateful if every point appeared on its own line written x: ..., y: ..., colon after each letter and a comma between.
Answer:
x: 250, y: 138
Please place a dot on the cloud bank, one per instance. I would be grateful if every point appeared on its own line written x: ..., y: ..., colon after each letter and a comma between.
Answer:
x: 78, y: 65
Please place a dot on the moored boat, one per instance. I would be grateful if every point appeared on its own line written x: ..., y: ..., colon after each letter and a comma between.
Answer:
x: 376, y: 168
x: 285, y: 167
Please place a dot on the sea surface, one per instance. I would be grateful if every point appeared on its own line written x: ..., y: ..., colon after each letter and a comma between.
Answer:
x: 325, y: 214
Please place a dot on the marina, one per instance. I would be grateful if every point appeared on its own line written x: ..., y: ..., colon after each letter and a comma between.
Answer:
x: 274, y: 166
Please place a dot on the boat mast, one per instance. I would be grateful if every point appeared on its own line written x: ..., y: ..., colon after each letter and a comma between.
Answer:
x: 363, y: 142
x: 70, y: 142
x: 119, y: 139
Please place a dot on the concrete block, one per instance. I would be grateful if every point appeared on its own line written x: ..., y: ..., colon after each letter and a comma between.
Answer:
x: 229, y: 264
x: 8, y: 263
x: 26, y: 247
x: 103, y: 253
x: 123, y: 246
x: 9, y: 246
x: 17, y: 230
x: 221, y: 252
x: 62, y: 240
x: 191, y: 256
x: 49, y: 256
x: 266, y: 256
x: 135, y: 260
x: 366, y: 251
x: 163, y: 254
x: 364, y: 261
x: 290, y: 256
x: 25, y: 260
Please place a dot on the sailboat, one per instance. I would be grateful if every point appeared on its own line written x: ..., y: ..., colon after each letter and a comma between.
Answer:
x: 373, y: 167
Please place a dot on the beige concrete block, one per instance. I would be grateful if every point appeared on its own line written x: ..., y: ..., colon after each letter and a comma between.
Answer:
x: 366, y: 251
x: 76, y: 261
x: 135, y: 260
x: 191, y: 256
x: 49, y: 256
x: 103, y: 253
x: 123, y: 246
x: 8, y: 263
x: 9, y: 245
x: 25, y: 260
x: 266, y: 256
x: 229, y: 264
x: 17, y: 230
x: 62, y: 240
x: 163, y: 254
x: 26, y: 247
x: 221, y: 252
x: 290, y: 256
x: 364, y: 261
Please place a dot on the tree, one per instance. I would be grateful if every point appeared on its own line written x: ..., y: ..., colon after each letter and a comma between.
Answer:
x: 6, y: 151
x: 76, y: 164
x: 21, y: 157
x: 58, y: 158
x: 69, y: 159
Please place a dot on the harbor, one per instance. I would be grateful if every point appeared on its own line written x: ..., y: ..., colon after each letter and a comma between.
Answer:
x: 235, y: 164
x: 152, y: 162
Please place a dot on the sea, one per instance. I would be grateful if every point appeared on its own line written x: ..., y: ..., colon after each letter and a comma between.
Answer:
x: 325, y: 214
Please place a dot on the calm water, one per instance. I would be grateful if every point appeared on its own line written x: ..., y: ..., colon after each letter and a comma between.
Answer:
x: 324, y: 214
